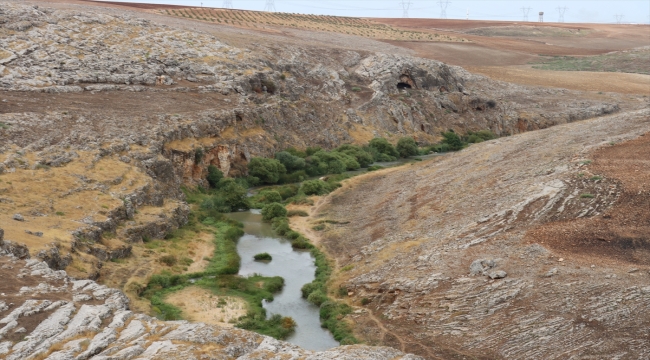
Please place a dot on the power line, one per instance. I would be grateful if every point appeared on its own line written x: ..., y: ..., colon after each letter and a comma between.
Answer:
x: 561, y: 11
x: 526, y: 10
x: 619, y: 18
x: 227, y: 4
x: 405, y: 6
x: 443, y: 8
x: 270, y: 6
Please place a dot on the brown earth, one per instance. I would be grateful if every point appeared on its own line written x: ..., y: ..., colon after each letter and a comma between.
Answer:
x: 575, y: 80
x: 621, y: 234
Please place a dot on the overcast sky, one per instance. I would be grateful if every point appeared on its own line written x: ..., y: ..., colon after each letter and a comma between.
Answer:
x: 603, y: 11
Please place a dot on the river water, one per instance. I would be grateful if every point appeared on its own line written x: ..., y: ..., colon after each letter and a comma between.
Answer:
x: 295, y: 266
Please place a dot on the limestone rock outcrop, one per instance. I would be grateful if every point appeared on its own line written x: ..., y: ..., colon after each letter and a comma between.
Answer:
x: 46, y: 314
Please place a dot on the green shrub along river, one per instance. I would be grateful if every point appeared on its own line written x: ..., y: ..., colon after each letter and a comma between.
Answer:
x: 287, y: 179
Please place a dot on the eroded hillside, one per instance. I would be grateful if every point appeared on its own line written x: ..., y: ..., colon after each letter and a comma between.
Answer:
x: 103, y: 116
x: 533, y: 246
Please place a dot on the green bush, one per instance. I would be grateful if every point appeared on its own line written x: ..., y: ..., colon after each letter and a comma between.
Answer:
x: 263, y: 257
x: 276, y: 326
x: 280, y: 225
x: 313, y: 187
x: 270, y: 196
x: 294, y: 177
x: 375, y: 168
x: 267, y: 170
x: 474, y: 139
x: 230, y: 197
x: 291, y: 162
x: 324, y: 162
x: 441, y: 148
x: 295, y: 152
x: 214, y: 176
x: 407, y: 147
x: 312, y: 150
x: 301, y: 243
x: 383, y: 147
x: 287, y: 191
x: 317, y: 297
x: 293, y: 235
x: 452, y: 140
x: 273, y: 210
x: 363, y: 157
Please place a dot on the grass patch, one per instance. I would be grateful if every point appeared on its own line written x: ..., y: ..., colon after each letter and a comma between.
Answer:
x: 587, y: 196
x: 263, y: 257
x: 627, y: 62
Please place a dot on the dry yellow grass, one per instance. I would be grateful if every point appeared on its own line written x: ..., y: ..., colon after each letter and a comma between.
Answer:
x: 201, y: 305
x: 54, y: 200
x: 199, y: 251
x: 269, y: 21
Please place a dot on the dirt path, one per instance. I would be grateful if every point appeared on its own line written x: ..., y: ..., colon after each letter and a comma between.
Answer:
x: 203, y: 248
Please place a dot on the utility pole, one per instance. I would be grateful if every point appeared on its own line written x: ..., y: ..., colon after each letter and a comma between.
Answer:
x: 227, y: 4
x: 526, y: 11
x: 270, y: 6
x: 619, y: 18
x: 561, y: 11
x: 467, y: 14
x: 443, y: 8
x: 405, y: 6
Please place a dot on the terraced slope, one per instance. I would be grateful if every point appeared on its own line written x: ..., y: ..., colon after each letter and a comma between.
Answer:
x: 270, y: 21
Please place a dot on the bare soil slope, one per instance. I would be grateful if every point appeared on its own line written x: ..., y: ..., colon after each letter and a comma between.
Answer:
x: 568, y: 226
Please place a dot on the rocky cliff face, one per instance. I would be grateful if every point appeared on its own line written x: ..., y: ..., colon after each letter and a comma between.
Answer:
x: 44, y: 314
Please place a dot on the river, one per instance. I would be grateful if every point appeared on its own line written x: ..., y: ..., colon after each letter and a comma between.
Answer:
x: 295, y: 266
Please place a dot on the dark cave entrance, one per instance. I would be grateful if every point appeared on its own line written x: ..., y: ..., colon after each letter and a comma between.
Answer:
x: 406, y: 82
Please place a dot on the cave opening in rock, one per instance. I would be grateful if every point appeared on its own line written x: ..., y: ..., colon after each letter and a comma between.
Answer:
x: 402, y: 85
